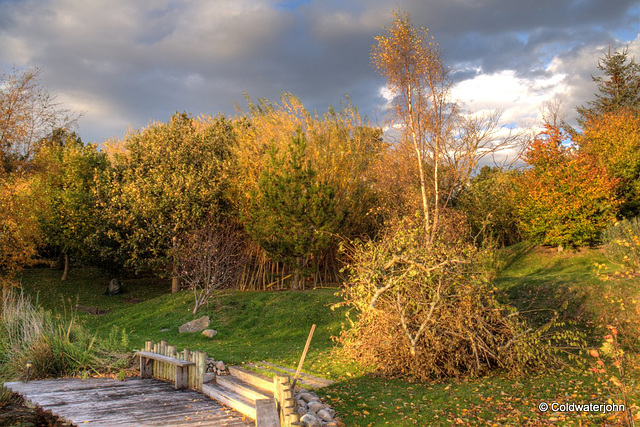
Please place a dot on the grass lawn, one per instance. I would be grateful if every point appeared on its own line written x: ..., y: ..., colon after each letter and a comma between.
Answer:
x: 254, y: 326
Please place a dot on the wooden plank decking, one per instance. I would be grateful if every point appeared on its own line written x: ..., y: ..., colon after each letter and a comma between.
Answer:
x: 133, y: 402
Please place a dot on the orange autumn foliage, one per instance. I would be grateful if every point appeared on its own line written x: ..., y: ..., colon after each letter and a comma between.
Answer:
x: 567, y: 197
x: 614, y: 140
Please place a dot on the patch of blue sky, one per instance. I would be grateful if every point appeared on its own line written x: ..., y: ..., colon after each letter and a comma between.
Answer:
x: 290, y: 4
x: 628, y: 33
x: 522, y: 36
x: 511, y: 125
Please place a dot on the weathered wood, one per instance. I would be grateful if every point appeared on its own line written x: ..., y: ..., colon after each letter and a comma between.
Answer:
x: 279, y: 382
x: 171, y: 352
x: 304, y: 355
x: 294, y: 418
x: 166, y: 359
x: 146, y: 368
x: 136, y: 401
x: 162, y: 372
x: 254, y: 378
x: 202, y: 367
x: 243, y: 388
x: 156, y: 364
x: 231, y: 399
x: 173, y: 369
x: 267, y: 413
x: 306, y: 379
x: 192, y: 371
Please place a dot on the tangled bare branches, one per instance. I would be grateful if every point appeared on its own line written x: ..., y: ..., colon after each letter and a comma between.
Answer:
x: 211, y: 259
x: 430, y: 312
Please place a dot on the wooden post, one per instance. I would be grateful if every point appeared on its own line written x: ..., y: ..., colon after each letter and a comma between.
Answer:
x: 288, y: 403
x: 186, y: 355
x: 282, y: 392
x: 171, y: 352
x: 202, y: 366
x: 163, y: 351
x: 156, y: 364
x: 294, y: 419
x: 146, y: 365
x: 304, y: 354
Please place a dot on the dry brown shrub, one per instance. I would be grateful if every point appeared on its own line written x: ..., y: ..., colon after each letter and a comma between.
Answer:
x: 428, y: 312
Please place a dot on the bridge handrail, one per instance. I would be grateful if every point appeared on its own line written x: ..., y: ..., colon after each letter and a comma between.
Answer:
x: 185, y: 368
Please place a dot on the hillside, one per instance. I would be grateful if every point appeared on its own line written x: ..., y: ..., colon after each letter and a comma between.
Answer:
x: 254, y: 326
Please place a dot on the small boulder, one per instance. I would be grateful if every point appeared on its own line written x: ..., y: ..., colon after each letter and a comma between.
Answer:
x: 307, y: 397
x: 209, y: 333
x: 114, y: 287
x: 220, y: 366
x: 311, y: 420
x: 164, y: 330
x: 324, y: 415
x: 315, y: 406
x: 196, y: 325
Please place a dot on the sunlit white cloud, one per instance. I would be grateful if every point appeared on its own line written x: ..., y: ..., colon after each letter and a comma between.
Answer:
x: 519, y: 100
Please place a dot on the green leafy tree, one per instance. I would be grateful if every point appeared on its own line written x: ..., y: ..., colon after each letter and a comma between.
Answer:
x: 343, y: 149
x: 291, y: 215
x: 167, y: 181
x: 490, y: 205
x: 66, y: 177
x: 618, y: 88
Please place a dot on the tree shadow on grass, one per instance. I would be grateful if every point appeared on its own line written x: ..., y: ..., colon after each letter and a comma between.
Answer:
x: 539, y: 300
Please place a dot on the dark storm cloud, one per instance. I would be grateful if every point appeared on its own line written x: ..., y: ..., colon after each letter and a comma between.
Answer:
x: 128, y: 62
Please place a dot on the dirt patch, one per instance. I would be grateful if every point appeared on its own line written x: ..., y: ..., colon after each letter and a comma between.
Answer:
x: 16, y: 413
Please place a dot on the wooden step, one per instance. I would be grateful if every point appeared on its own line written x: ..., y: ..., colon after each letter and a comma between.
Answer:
x: 243, y: 388
x: 253, y: 378
x: 231, y: 399
x: 305, y: 379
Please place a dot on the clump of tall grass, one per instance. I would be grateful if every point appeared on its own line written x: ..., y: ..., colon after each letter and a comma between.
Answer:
x: 56, y: 345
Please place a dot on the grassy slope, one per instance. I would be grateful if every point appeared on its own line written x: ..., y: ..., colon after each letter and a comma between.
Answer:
x: 539, y: 281
x: 273, y: 326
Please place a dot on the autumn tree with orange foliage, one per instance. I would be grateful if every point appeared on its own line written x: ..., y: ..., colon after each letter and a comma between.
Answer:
x: 614, y: 140
x: 567, y: 197
x: 28, y: 113
x: 443, y: 142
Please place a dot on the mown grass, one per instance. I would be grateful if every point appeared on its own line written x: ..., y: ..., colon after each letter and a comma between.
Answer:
x: 254, y: 326
x: 582, y: 286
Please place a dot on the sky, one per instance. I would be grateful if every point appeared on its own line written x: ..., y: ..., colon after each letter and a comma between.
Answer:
x: 124, y: 63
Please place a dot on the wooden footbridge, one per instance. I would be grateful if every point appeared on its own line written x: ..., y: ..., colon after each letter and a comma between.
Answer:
x: 133, y: 402
x: 174, y: 390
